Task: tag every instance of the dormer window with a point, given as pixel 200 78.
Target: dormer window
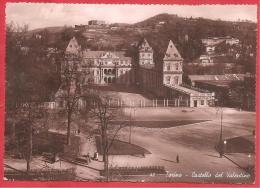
pixel 175 55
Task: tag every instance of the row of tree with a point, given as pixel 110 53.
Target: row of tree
pixel 31 78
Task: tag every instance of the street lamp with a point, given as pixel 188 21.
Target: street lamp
pixel 224 148
pixel 220 144
pixel 249 167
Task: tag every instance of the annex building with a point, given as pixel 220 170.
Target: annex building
pixel 165 82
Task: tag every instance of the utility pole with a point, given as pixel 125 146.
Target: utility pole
pixel 221 133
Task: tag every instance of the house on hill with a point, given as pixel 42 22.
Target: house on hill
pixel 215 44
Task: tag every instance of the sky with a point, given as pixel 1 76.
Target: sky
pixel 38 15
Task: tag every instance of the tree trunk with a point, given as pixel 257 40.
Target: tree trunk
pixel 106 166
pixel 13 139
pixel 29 154
pixel 68 128
pixel 103 142
pixel 27 166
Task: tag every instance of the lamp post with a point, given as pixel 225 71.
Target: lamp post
pixel 249 159
pixel 221 134
pixel 224 147
pixel 220 144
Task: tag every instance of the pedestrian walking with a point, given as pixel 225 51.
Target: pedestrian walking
pixel 177 159
pixel 88 158
pixel 96 156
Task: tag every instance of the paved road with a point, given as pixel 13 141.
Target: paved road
pixel 193 143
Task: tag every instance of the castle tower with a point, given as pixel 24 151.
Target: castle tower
pixel 72 58
pixel 172 66
pixel 145 55
pixel 73 47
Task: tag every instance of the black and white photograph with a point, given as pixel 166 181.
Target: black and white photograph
pixel 130 93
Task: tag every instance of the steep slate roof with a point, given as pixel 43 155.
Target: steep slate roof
pixel 172 53
pixel 73 47
pixel 144 46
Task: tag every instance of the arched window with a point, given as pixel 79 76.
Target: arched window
pixel 176 80
pixel 113 80
pixel 177 67
pixel 168 79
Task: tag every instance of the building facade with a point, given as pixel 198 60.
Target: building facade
pixel 102 67
pixel 172 66
pixel 165 82
pixel 161 79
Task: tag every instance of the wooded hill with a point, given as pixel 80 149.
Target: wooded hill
pixel 33 72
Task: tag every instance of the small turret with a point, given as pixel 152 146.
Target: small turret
pixel 73 47
pixel 146 55
pixel 172 53
pixel 172 66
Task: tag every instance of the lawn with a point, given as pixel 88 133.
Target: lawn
pixel 158 124
pixel 119 147
pixel 241 144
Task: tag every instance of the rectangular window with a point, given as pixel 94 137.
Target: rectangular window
pixel 168 67
pixel 202 102
pixel 176 80
pixel 168 79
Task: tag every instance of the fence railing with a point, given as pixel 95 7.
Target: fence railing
pixel 143 170
pixel 40 174
pixel 147 103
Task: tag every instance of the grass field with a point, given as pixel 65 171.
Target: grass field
pixel 158 124
pixel 121 148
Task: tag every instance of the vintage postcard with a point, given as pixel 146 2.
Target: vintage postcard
pixel 129 93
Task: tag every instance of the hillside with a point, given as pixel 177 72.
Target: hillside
pixel 158 30
pixel 56 29
pixel 167 18
pixel 34 71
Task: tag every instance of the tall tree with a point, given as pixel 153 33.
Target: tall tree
pixel 27 118
pixel 102 111
pixel 70 91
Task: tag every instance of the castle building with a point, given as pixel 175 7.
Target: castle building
pixel 162 79
pixel 165 81
pixel 101 67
